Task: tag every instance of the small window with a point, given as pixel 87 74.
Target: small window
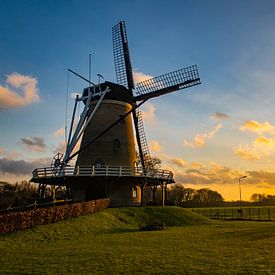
pixel 116 145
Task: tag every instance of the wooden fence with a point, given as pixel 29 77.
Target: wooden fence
pixel 14 221
pixel 252 214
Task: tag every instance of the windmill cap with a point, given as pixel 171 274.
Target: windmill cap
pixel 117 92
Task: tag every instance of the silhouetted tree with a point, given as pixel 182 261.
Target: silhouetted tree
pixel 19 194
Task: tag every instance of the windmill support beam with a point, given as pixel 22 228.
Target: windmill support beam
pixel 142 186
pixel 163 193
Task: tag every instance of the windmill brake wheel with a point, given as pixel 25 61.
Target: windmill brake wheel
pixel 57 163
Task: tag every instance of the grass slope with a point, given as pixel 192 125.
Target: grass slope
pixel 111 242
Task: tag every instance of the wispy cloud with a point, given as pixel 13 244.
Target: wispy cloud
pixel 34 143
pixel 258 127
pixel 148 112
pixel 19 90
pixel 20 167
pixel 200 139
pixel 220 116
pixel 248 152
pixel 154 146
pixel 140 76
pixel 2 151
pixel 181 163
pixel 59 132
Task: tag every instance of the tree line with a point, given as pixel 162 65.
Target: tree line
pixel 178 195
pixel 24 193
pixel 19 194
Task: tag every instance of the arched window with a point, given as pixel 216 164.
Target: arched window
pixel 134 192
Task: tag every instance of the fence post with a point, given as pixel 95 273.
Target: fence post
pixel 232 214
pixel 259 214
pixel 268 211
pixel 249 212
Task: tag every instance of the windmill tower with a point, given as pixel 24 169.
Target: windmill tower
pixel 110 124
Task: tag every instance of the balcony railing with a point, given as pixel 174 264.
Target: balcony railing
pixel 106 170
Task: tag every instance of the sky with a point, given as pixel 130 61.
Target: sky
pixel 208 135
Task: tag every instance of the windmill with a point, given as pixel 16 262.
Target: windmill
pixel 109 125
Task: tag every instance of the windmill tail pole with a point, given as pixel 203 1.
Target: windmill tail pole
pixel 107 129
pixel 90 82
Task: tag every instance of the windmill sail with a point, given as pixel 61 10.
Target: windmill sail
pixel 167 83
pixel 144 145
pixel 122 60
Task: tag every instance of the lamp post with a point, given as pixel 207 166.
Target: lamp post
pixel 241 190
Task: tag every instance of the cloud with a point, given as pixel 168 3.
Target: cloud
pixel 258 127
pixel 219 116
pixel 34 144
pixel 148 112
pixel 247 153
pixel 20 90
pixel 260 148
pixel 74 95
pixel 20 167
pixel 200 139
pixel 154 146
pixel 264 141
pixel 261 178
pixel 59 132
pixel 2 151
pixel 140 76
pixel 211 173
pixel 178 162
pixel 60 148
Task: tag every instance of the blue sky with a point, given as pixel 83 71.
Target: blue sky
pixel 232 42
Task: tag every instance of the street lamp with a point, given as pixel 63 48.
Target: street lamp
pixel 243 177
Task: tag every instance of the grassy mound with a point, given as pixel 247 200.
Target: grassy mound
pixel 111 242
pixel 133 218
pixel 114 220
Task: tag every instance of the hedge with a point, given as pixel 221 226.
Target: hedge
pixel 10 222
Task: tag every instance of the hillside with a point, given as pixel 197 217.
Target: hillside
pixel 111 242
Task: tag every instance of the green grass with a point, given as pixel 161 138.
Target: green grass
pixel 111 242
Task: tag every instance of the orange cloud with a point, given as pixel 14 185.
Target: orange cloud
pixel 154 146
pixel 2 151
pixel 178 162
pixel 258 127
pixel 200 139
pixel 12 97
pixel 265 141
pixel 244 152
pixel 59 132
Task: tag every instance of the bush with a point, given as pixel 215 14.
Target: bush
pixel 155 225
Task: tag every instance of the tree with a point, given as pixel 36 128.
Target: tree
pixel 19 194
pixel 155 162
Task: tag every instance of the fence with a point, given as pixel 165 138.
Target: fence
pixel 252 213
pixel 93 171
pixel 10 222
